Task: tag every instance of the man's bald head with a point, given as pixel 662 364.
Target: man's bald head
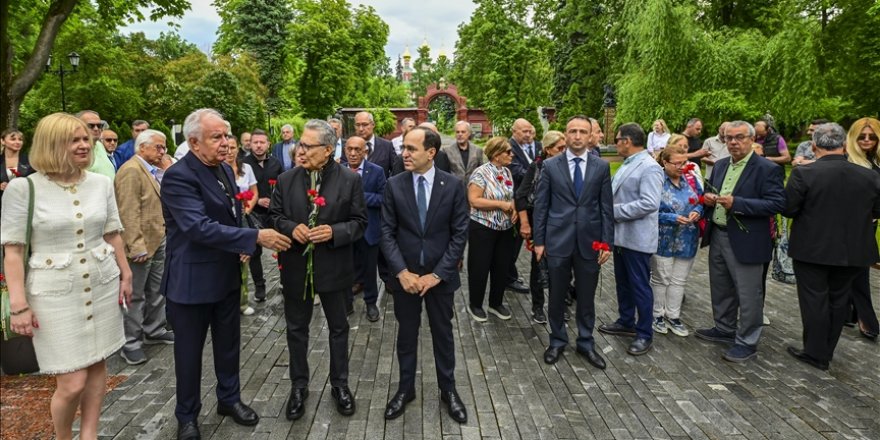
pixel 523 131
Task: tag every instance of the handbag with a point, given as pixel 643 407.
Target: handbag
pixel 5 307
pixel 783 269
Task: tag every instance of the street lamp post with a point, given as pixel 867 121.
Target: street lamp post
pixel 73 58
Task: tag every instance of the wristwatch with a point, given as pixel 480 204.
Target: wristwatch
pixel 436 277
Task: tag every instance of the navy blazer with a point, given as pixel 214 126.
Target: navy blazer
pixel 520 163
pixel 344 212
pixel 758 195
pixel 204 239
pixel 279 153
pixel 373 181
pixel 444 237
pixel 564 224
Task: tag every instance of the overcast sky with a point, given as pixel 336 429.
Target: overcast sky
pixel 409 21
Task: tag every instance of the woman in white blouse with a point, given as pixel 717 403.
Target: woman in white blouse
pixel 78 276
pixel 658 137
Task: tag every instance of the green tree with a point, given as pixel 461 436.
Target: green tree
pixel 260 28
pixel 423 71
pixel 25 45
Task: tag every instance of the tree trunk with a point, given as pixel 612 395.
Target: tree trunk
pixel 13 88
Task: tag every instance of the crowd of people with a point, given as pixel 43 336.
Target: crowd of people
pixel 128 246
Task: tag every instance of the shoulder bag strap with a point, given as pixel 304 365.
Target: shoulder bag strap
pixel 30 222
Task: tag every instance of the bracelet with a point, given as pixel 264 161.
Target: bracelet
pixel 20 311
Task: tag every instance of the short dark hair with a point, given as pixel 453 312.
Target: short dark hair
pixel 633 132
pixel 819 121
pixel 693 121
pixel 583 117
pixel 259 132
pixel 432 140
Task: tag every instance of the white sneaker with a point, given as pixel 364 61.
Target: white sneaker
pixel 248 311
pixel 659 326
pixel 766 320
pixel 678 327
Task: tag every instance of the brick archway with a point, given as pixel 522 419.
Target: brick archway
pixel 433 92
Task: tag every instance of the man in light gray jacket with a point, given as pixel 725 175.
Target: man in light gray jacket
pixel 636 188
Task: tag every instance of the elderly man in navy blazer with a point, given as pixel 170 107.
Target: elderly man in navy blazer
pixel 366 250
pixel 573 209
pixel 424 231
pixel 202 277
pixel 380 151
pixel 743 193
pixel 636 188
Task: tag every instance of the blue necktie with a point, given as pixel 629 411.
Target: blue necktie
pixel 422 200
pixel 578 177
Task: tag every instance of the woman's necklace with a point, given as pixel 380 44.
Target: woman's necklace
pixel 71 188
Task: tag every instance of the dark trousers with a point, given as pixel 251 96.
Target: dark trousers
pixel 191 322
pixel 408 311
pixel 863 308
pixel 488 255
pixel 513 273
pixel 256 266
pixel 365 262
pixel 298 314
pixel 586 278
pixel 823 296
pixel 535 286
pixel 634 295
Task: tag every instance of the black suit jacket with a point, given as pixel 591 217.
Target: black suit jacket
pixel 24 168
pixel 520 164
pixel 441 161
pixel 345 212
pixel 757 196
pixel 833 203
pixel 382 154
pixel 270 169
pixel 444 237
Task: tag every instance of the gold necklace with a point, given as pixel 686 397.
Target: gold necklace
pixel 71 188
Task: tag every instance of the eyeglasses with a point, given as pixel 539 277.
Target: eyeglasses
pixel 309 147
pixel 677 164
pixel 867 137
pixel 738 138
pixel 620 139
pixel 108 140
pixel 508 151
pixel 96 126
pixel 159 147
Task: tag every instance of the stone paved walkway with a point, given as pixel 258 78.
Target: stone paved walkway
pixel 681 389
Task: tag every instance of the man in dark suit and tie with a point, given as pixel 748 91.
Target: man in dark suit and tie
pixel 743 193
pixel 525 150
pixel 379 151
pixel 573 209
pixel 338 199
pixel 283 151
pixel 832 203
pixel 202 277
pixel 424 231
pixel 366 250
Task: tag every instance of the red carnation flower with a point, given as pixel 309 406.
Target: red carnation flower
pixel 320 201
pixel 312 193
pixel 692 200
pixel 601 246
pixel 508 183
pixel 500 178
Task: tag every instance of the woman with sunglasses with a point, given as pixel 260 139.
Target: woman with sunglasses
pixel 490 233
pixel 554 143
pixel 862 149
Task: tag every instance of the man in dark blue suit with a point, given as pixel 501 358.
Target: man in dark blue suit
pixel 379 151
pixel 424 231
pixel 283 151
pixel 525 150
pixel 743 193
pixel 202 277
pixel 573 209
pixel 366 250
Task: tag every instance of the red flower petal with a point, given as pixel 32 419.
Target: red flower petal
pixel 312 193
pixel 320 201
pixel 500 178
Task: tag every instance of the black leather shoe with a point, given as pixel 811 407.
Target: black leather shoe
pixel 617 330
pixel 454 405
pixel 593 358
pixel 551 355
pixel 188 431
pixel 240 413
pixel 372 313
pixel 807 359
pixel 260 293
pixel 397 404
pixel 344 400
pixel 296 403
pixel 639 347
pixel 518 287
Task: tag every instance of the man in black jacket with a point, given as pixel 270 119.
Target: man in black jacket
pixel 379 151
pixel 266 168
pixel 323 189
pixel 832 203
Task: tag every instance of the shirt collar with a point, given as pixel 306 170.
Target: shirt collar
pixel 743 161
pixel 569 155
pixel 634 156
pixel 146 165
pixel 429 175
